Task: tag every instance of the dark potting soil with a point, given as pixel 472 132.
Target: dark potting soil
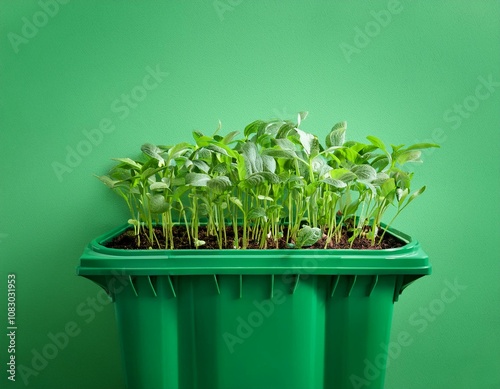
pixel 128 241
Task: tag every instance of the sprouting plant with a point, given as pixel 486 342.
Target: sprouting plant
pixel 275 182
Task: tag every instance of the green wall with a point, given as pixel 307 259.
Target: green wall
pixel 404 70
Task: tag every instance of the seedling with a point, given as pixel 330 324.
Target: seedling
pixel 274 182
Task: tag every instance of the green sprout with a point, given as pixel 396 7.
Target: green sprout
pixel 275 182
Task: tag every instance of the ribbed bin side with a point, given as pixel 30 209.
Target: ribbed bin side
pixel 358 324
pixel 253 331
pixel 148 324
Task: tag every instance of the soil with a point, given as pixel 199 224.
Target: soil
pixel 128 241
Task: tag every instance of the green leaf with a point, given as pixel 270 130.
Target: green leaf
pixel 204 153
pixel 199 242
pixel 253 161
pixel 154 152
pixel 157 203
pixel 285 130
pixel 254 127
pixel 237 202
pixel 409 156
pixel 381 178
pixel 266 198
pixel 338 125
pixel 229 137
pixel 270 177
pixel 268 163
pixel 307 236
pixel 352 208
pixel 219 184
pixel 179 149
pixel 336 137
pixel 277 153
pixel 342 174
pixel 416 194
pixel 284 144
pixel 334 182
pixel 376 142
pixel 158 186
pixel 301 116
pixel 380 162
pixel 201 165
pixel 421 146
pixel 133 222
pixel 110 183
pixel 306 140
pixel 221 168
pixel 365 172
pixel 275 211
pixel 256 179
pixel 129 163
pixel 350 154
pixel 388 188
pixel 256 213
pixel 197 179
pixel 401 195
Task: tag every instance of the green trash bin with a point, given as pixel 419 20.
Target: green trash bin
pixel 254 319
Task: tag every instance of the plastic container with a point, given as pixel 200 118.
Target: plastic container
pixel 254 319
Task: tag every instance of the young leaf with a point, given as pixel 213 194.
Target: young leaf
pixel 422 146
pixel 377 142
pixel 380 162
pixel 197 179
pixel 342 174
pixel 237 202
pixel 307 236
pixel 256 213
pixel 268 163
pixel 201 165
pixel 285 130
pixel 365 172
pixel 158 186
pixel 133 222
pixel 381 178
pixel 301 116
pixel 334 182
pixel 306 140
pixel 199 242
pixel 254 127
pixel 416 194
pixel 154 152
pixel 253 161
pixel 129 163
pixel 276 153
pixel 336 137
pixel 409 156
pixel 217 149
pixel 229 137
pixel 219 184
pixel 157 203
pixel 108 181
pixel 401 195
pixel 387 188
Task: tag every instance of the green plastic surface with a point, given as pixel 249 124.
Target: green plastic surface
pixel 254 319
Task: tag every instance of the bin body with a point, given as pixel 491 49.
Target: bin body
pixel 252 319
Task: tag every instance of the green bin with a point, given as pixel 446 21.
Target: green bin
pixel 254 319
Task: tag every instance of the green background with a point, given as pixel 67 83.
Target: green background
pixel 410 75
